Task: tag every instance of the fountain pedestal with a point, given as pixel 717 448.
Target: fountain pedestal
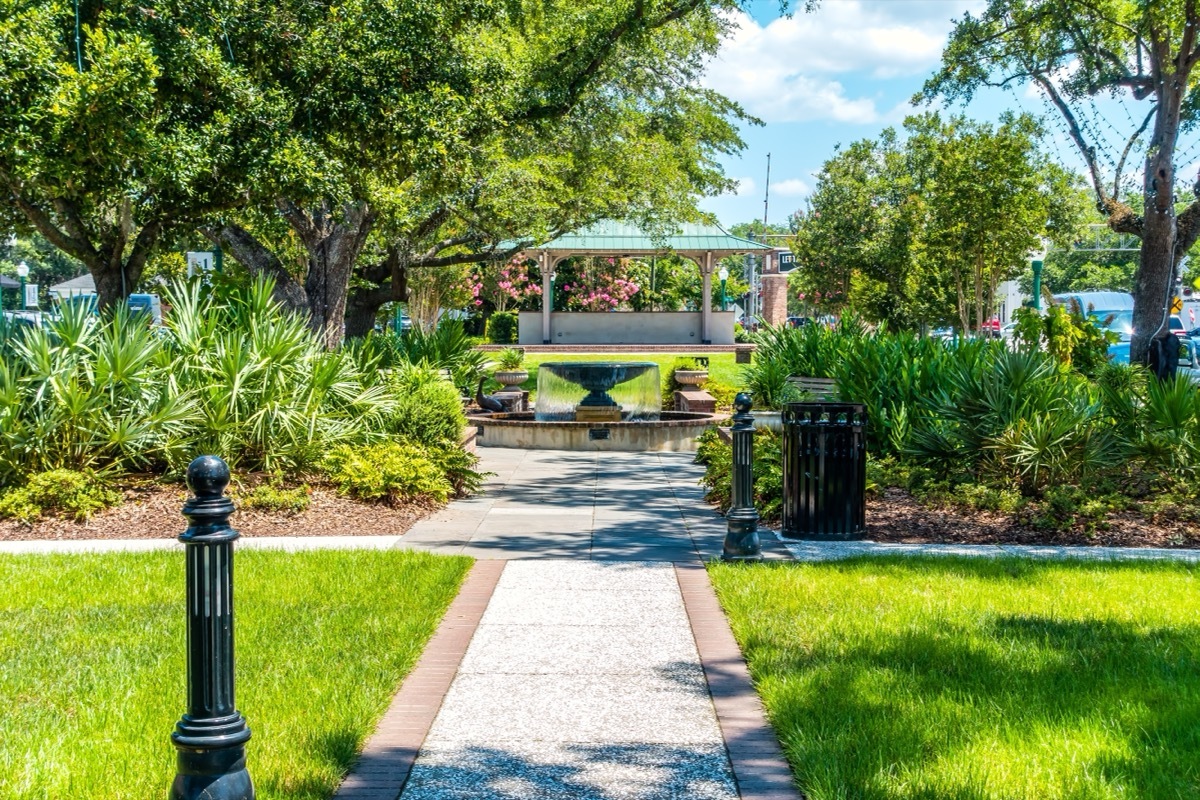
pixel 597 413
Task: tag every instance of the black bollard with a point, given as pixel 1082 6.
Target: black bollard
pixel 211 737
pixel 741 537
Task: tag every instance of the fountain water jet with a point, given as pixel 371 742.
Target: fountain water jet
pixel 598 391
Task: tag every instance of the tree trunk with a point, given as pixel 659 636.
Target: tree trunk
pixel 333 246
pixel 244 248
pixel 1152 284
pixel 363 304
pixel 112 287
pixel 360 318
pixel 1156 267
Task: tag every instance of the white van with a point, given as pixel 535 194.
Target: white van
pixel 1098 304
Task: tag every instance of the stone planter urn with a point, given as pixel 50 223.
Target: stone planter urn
pixel 769 420
pixel 511 377
pixel 691 377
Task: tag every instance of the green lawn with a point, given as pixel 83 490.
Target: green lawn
pixel 92 671
pixel 721 366
pixel 974 679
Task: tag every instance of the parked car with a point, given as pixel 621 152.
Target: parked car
pixel 1121 323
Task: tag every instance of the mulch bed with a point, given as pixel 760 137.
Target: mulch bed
pixel 897 517
pixel 153 512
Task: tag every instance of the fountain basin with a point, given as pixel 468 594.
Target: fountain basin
pixel 673 431
pixel 598 391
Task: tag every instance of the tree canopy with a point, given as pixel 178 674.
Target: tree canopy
pixel 333 146
pixel 1077 50
pixel 920 229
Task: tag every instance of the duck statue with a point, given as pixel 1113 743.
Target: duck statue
pixel 486 401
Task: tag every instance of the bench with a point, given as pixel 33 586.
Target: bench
pixel 821 388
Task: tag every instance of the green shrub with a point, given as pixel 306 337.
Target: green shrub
pixel 723 393
pixel 510 358
pixel 502 327
pixel 428 409
pixel 274 496
pixel 1066 507
pixel 61 492
pixel 978 497
pixel 459 468
pixel 767 381
pixel 767 470
pixel 394 472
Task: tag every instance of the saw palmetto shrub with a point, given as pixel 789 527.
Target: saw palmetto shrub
pixel 1061 440
pixel 230 373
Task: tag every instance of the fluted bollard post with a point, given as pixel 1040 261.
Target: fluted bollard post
pixel 211 737
pixel 741 537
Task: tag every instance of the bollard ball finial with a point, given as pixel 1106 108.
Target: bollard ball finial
pixel 207 477
pixel 742 402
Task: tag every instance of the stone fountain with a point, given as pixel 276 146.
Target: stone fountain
pixel 595 405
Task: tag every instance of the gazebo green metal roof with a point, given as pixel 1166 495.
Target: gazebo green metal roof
pixel 609 237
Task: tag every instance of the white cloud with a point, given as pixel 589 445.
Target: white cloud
pixel 792 187
pixel 784 72
pixel 745 188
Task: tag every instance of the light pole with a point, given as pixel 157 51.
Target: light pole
pixel 23 273
pixel 724 276
pixel 1037 261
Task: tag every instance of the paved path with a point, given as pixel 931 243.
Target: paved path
pixel 601 667
pixel 603 506
pixel 581 681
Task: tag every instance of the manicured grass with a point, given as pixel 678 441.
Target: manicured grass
pixel 92 671
pixel 722 367
pixel 940 678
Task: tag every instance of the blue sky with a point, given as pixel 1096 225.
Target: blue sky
pixel 842 73
pixel 847 71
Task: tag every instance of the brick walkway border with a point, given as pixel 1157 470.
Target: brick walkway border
pixel 754 752
pixel 387 758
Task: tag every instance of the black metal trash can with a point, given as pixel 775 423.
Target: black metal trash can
pixel 824 471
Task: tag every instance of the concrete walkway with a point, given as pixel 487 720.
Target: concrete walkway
pixel 581 681
pixel 601 666
pixel 601 506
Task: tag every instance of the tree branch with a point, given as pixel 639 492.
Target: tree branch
pixel 254 256
pixel 1128 146
pixel 81 249
pixel 574 88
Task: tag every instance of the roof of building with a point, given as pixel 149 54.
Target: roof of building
pixel 82 284
pixel 610 237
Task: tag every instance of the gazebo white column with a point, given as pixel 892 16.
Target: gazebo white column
pixel 546 264
pixel 706 273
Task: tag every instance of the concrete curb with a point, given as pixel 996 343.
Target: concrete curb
pixel 288 543
pixel 803 550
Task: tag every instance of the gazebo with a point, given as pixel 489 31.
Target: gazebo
pixel 703 244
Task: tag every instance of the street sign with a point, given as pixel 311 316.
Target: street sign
pixel 1176 305
pixel 31 299
pixel 199 263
